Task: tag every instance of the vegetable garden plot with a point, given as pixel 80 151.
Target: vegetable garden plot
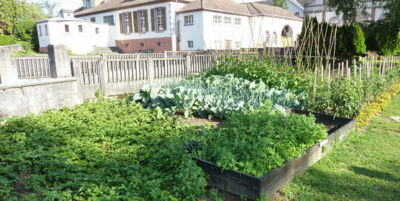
pixel 254 187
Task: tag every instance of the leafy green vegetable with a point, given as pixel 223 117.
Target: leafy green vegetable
pixel 259 141
pixel 100 150
pixel 215 95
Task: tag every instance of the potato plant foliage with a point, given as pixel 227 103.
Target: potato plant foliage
pixel 258 141
pixel 100 150
pixel 215 95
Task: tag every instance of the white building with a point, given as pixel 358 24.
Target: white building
pixel 320 10
pixel 79 35
pixel 171 25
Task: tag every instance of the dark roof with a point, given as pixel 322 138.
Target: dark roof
pixel 266 10
pixel 227 6
pixel 111 5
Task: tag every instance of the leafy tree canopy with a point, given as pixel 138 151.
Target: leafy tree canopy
pixel 349 9
pixel 281 3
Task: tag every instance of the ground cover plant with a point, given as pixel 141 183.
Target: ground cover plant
pixel 100 150
pixel 258 141
pixel 215 95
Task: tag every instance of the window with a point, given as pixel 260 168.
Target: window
pixel 217 19
pixel 66 28
pixel 142 22
pixel 267 38
pixel 238 21
pixel 40 31
pixel 227 20
pixel 190 44
pixel 159 44
pixel 125 25
pixel 238 45
pixel 97 30
pixel 141 44
pixel 109 20
pixel 159 19
pixel 93 19
pixel 80 28
pixel 46 31
pixel 297 14
pixel 189 20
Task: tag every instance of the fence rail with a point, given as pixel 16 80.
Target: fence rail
pixel 32 67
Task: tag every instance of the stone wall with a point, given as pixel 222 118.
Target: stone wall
pixel 37 96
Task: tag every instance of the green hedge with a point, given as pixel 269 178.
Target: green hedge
pixel 11 40
pixel 382 37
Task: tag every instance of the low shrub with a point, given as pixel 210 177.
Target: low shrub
pixel 377 105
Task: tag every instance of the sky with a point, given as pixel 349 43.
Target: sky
pixel 67 4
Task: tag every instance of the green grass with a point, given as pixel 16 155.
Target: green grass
pixel 364 167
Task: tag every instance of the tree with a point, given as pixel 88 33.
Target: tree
pixel 349 9
pixel 281 3
pixel 19 20
pixel 49 7
pixel 9 13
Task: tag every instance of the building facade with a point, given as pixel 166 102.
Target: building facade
pixel 320 10
pixel 155 26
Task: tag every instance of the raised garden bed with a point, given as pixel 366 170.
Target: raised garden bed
pixel 241 184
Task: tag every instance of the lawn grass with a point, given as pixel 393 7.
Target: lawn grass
pixel 364 167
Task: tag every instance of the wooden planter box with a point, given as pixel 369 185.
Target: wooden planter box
pixel 241 184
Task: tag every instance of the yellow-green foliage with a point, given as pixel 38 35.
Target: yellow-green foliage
pixel 369 111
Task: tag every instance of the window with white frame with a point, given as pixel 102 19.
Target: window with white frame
pixel 80 28
pixel 97 30
pixel 189 20
pixel 46 30
pixel 238 44
pixel 159 19
pixel 238 21
pixel 40 31
pixel 217 19
pixel 190 44
pixel 142 22
pixel 93 19
pixel 108 20
pixel 66 27
pixel 126 25
pixel 227 20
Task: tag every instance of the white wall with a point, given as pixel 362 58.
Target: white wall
pixel 150 34
pixel 78 42
pixel 250 34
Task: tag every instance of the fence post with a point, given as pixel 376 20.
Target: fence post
pixel 103 73
pixel 8 72
pixel 150 65
pixel 261 55
pixel 59 66
pixel 188 64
